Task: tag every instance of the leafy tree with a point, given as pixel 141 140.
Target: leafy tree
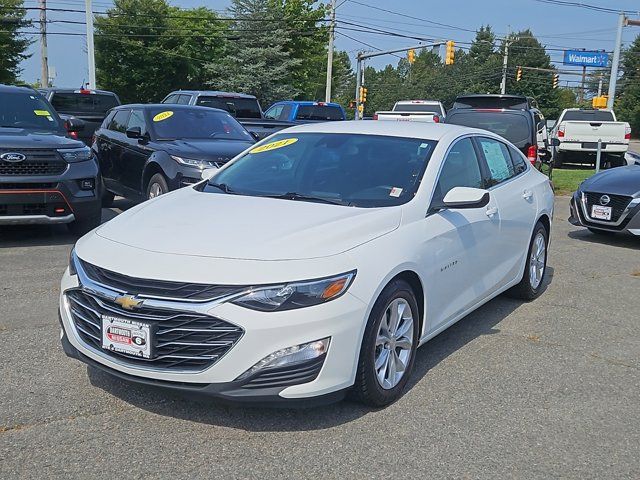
pixel 13 45
pixel 257 61
pixel 146 48
pixel 628 102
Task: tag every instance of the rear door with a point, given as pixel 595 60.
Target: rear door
pixel 514 195
pixel 135 154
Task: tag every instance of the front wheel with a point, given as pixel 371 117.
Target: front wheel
pixel 157 186
pixel 388 347
pixel 530 287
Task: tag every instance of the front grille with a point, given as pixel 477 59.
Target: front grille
pixel 158 288
pixel 184 341
pixel 618 203
pixel 27 186
pixel 39 161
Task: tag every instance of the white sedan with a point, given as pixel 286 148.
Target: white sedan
pixel 312 265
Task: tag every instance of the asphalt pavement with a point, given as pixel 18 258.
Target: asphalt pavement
pixel 547 389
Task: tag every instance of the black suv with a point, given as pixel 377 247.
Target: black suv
pixel 45 176
pixel 147 150
pixel 90 106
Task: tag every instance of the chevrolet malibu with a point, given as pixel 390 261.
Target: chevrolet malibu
pixel 310 266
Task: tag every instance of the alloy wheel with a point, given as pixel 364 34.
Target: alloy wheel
pixel 394 343
pixel 537 260
pixel 155 190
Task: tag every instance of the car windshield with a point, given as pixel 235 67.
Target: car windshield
pixel 83 102
pixel 319 112
pixel 418 107
pixel 588 116
pixel 347 169
pixel 238 107
pixel 29 111
pixel 196 123
pixel 511 126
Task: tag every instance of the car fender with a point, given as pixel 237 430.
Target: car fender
pixel 160 161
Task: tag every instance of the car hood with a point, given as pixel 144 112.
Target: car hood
pixel 188 222
pixel 21 138
pixel 212 150
pixel 617 181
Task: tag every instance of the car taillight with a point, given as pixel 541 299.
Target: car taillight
pixel 375 116
pixel 627 133
pixel 532 154
pixel 436 119
pixel 73 135
pixel 560 131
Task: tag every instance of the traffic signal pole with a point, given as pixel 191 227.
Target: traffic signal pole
pixel 615 63
pixel 361 57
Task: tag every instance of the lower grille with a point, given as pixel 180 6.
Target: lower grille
pixel 27 186
pixel 184 341
pixel 288 375
pixel 618 203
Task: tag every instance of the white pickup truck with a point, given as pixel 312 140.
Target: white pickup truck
pixel 576 134
pixel 414 111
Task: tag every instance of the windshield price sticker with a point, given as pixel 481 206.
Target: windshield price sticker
pixel 395 192
pixel 162 116
pixel 42 113
pixel 274 145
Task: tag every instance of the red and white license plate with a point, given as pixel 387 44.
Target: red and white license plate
pixel 600 212
pixel 126 336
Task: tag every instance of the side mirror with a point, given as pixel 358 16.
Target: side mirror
pixel 542 125
pixel 555 142
pixel 73 124
pixel 208 173
pixel 134 132
pixel 466 197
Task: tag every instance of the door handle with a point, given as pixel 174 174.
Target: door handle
pixel 527 194
pixel 491 211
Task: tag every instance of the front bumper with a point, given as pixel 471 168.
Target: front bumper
pixel 50 199
pixel 628 222
pixel 264 333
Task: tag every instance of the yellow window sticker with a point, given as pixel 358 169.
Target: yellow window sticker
pixel 162 116
pixel 274 145
pixel 42 113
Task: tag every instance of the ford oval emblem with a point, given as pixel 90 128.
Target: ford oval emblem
pixel 13 157
pixel 604 200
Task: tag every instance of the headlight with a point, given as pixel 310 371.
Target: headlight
pixel 72 262
pixel 192 162
pixel 296 295
pixel 72 155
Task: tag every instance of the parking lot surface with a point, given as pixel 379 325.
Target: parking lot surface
pixel 515 390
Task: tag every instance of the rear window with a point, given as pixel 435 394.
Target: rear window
pixel 513 103
pixel 509 125
pixel 417 107
pixel 237 107
pixel 588 115
pixel 83 103
pixel 319 112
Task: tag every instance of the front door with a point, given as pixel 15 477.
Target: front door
pixel 135 154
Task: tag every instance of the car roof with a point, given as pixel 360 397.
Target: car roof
pixel 16 88
pixel 305 102
pixel 213 93
pixel 76 90
pixel 492 95
pixel 426 102
pixel 427 131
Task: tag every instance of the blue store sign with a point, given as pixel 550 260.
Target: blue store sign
pixel 585 59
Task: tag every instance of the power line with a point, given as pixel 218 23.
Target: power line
pixel 596 8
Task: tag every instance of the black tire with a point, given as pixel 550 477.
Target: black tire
pixel 84 225
pixel 367 388
pixel 525 290
pixel 107 198
pixel 604 233
pixel 161 182
pixel 558 160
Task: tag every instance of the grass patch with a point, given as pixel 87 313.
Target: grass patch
pixel 565 182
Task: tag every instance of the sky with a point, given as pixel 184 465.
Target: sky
pixel 558 27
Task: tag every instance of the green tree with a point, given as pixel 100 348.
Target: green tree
pixel 628 101
pixel 257 61
pixel 146 48
pixel 13 45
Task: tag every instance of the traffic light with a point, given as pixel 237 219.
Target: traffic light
pixel 363 94
pixel 361 109
pixel 599 102
pixel 411 56
pixel 519 74
pixel 450 53
pixel 556 80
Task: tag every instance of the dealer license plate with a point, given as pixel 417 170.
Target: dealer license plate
pixel 600 212
pixel 126 336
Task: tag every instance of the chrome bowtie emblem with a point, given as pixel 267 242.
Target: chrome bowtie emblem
pixel 13 157
pixel 604 200
pixel 128 302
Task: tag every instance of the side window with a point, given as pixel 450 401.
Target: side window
pixel 286 112
pixel 107 121
pixel 137 120
pixel 119 121
pixel 519 161
pixel 274 112
pixel 498 159
pixel 183 99
pixel 460 169
pixel 173 98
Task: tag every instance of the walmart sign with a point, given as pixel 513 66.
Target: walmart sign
pixel 585 59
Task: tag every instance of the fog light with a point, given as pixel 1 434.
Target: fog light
pixel 287 356
pixel 87 184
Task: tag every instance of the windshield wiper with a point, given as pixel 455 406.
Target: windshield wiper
pixel 222 186
pixel 308 198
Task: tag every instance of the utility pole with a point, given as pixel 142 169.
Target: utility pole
pixel 505 62
pixel 600 86
pixel 332 34
pixel 91 59
pixel 615 62
pixel 44 70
